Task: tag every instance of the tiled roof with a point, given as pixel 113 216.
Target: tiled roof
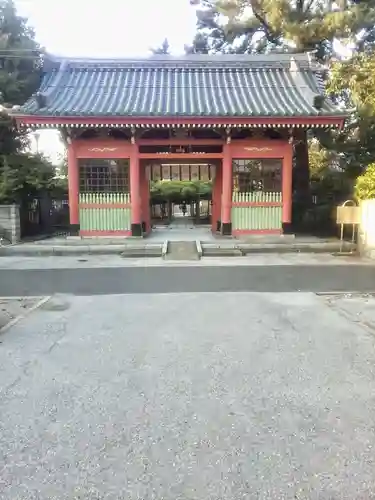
pixel 277 85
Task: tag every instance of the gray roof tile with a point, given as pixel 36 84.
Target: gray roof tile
pixel 279 85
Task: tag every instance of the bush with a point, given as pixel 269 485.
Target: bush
pixel 180 191
pixel 365 184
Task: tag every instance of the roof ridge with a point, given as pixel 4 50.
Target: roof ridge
pixel 304 60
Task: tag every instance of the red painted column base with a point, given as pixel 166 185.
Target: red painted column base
pixel 216 199
pixel 226 198
pixel 73 190
pixel 135 193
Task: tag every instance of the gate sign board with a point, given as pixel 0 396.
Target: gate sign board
pixel 348 215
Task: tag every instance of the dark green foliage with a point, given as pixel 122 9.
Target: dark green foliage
pixel 20 62
pixel 20 173
pixel 353 83
pixel 245 26
pixel 180 191
pixel 365 184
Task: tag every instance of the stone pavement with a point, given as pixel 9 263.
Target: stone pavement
pixel 161 238
pixel 258 259
pixel 12 308
pixel 184 396
pixel 181 233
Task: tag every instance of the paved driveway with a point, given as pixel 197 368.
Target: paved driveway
pixel 190 396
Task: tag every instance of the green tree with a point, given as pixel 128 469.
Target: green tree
pixel 248 26
pixel 24 174
pixel 365 184
pixel 352 82
pixel 330 183
pixel 303 25
pixel 20 62
pixel 20 65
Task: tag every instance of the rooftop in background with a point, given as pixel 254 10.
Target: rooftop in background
pixel 220 86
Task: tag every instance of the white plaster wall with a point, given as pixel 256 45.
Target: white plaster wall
pixel 366 232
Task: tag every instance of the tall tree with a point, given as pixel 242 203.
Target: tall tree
pixel 352 82
pixel 24 174
pixel 289 25
pixel 248 26
pixel 20 65
pixel 19 56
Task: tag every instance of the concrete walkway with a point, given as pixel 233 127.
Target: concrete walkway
pixel 181 233
pixel 194 397
pixel 154 244
pixel 253 260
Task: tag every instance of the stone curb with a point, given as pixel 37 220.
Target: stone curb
pixel 199 248
pixel 164 249
pixel 63 250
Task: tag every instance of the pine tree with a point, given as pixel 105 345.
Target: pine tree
pixel 352 82
pixel 163 49
pixel 287 25
pixel 248 26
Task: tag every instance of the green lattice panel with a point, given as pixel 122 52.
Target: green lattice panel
pixel 257 218
pixel 101 216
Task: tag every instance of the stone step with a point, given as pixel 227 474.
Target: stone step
pixel 145 251
pixel 182 250
pixel 234 249
pixel 131 251
pixel 220 251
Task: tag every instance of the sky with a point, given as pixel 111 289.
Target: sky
pixel 106 28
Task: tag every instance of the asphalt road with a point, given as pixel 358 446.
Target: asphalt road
pixel 230 396
pixel 86 281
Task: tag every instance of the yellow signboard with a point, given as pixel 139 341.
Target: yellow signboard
pixel 348 215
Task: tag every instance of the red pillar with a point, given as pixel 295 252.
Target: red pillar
pixel 145 195
pixel 73 188
pixel 226 197
pixel 135 193
pixel 287 189
pixel 216 198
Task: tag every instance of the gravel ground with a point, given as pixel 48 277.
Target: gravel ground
pixel 190 396
pixel 11 308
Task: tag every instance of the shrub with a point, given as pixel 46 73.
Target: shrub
pixel 365 184
pixel 180 191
